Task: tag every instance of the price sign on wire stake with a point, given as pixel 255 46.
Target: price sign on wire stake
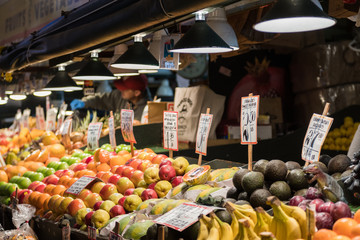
pixel 65 232
pixel 66 127
pixel 91 233
pixel 94 132
pixel 40 118
pixel 183 216
pixel 248 119
pixel 80 184
pixel 170 133
pixel 112 131
pixel 127 119
pixel 51 119
pixel 25 118
pixel 318 128
pixel 203 133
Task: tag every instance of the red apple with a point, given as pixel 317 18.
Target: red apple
pixel 121 201
pixel 40 187
pixel 129 161
pixel 58 173
pixel 75 206
pixel 45 179
pixel 114 178
pixel 176 181
pixel 148 194
pixel 158 158
pixel 97 205
pixel 34 184
pixel 116 210
pixel 129 191
pixel 144 165
pixel 107 190
pixel 67 172
pixel 84 193
pixel 165 162
pixel 88 218
pixel 136 177
pixel 152 186
pixel 135 163
pixel 120 169
pixel 52 179
pixel 99 174
pixel 113 153
pixel 105 177
pixel 79 167
pixel 167 173
pixel 25 192
pixel 88 160
pixel 128 171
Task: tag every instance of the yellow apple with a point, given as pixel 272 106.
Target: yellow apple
pixel 180 164
pixel 100 218
pixel 132 202
pixel 191 167
pixel 96 188
pixel 162 188
pixel 115 197
pixel 80 215
pixel 151 175
pixel 107 205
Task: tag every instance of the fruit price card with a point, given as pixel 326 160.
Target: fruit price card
pixel 170 133
pixel 318 128
pixel 112 132
pixel 94 132
pixel 115 236
pixel 66 127
pixel 40 118
pixel 203 133
pixel 127 119
pixel 183 216
pixel 91 233
pixel 51 119
pixel 25 118
pixel 248 119
pixel 80 184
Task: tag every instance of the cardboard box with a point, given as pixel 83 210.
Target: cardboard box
pixel 156 110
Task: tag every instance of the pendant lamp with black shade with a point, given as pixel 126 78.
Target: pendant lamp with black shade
pixel 62 82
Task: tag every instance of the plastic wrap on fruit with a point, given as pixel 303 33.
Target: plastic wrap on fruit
pixel 328 185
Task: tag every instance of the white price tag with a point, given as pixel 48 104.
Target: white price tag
pixel 91 233
pixel 248 119
pixel 40 118
pixel 25 118
pixel 170 132
pixel 127 119
pixel 316 133
pixel 61 115
pixel 89 91
pixel 79 185
pixel 66 127
pixel 203 133
pixel 115 236
pixel 183 216
pixel 51 119
pixel 65 232
pixel 94 132
pixel 112 132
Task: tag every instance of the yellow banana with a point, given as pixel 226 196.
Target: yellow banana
pixel 242 235
pixel 214 233
pixel 261 225
pixel 246 210
pixel 215 223
pixel 267 236
pixel 283 226
pixel 203 230
pixel 240 216
pixel 226 231
pixel 299 215
pixel 251 233
pixel 267 218
pixel 234 221
pixel 207 221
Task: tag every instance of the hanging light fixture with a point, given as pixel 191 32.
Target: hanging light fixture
pixel 145 71
pixel 3 100
pixel 137 57
pixel 94 70
pixel 287 16
pixel 120 72
pixel 18 92
pixel 62 82
pixel 218 22
pixel 201 39
pixel 41 93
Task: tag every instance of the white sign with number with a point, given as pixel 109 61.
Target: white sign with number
pixel 183 216
pixel 61 115
pixel 40 118
pixel 25 118
pixel 91 233
pixel 112 132
pixel 316 133
pixel 127 119
pixel 203 133
pixel 94 132
pixel 79 185
pixel 170 132
pixel 66 127
pixel 51 119
pixel 248 119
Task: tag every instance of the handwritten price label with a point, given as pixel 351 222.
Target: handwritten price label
pixel 203 133
pixel 127 119
pixel 112 132
pixel 66 127
pixel 25 118
pixel 91 233
pixel 94 132
pixel 51 119
pixel 248 119
pixel 183 216
pixel 65 232
pixel 115 236
pixel 80 184
pixel 61 115
pixel 170 133
pixel 316 133
pixel 40 118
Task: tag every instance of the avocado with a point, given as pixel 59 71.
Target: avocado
pixel 232 193
pixel 346 173
pixel 243 196
pixel 252 181
pixel 191 232
pixel 292 165
pixel 224 216
pixel 339 163
pixel 260 166
pixel 230 200
pixel 322 166
pixel 301 192
pixel 275 170
pixel 281 190
pixel 242 202
pixel 325 159
pixel 237 178
pixel 297 179
pixel 258 198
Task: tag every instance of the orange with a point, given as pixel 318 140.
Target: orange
pixel 127 157
pixel 40 201
pixel 33 156
pixel 52 200
pixel 355 231
pixel 71 182
pixel 49 138
pixel 57 150
pixel 58 189
pixel 52 159
pixel 99 174
pixel 43 156
pixel 103 167
pixel 105 177
pixel 33 197
pixel 344 226
pixel 45 206
pixel 150 156
pixel 148 150
pixel 33 166
pixel 64 180
pixel 48 189
pixel 3 176
pixel 104 156
pixel 357 216
pixel 84 172
pixel 92 166
pixel 122 152
pixel 340 237
pixel 324 234
pixel 356 238
pixel 117 160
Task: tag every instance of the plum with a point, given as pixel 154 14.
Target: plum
pixel 303 204
pixel 326 207
pixel 340 210
pixel 313 193
pixel 324 220
pixel 296 200
pixel 317 202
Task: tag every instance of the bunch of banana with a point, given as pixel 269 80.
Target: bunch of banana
pixel 267 236
pixel 212 228
pixel 262 225
pixel 246 232
pixel 283 226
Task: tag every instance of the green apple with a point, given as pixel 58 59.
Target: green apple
pixel 76 154
pixel 80 215
pixel 132 202
pixel 84 155
pixel 73 160
pixel 107 205
pixel 100 218
pixel 49 172
pixel 3 189
pixel 62 165
pixel 28 174
pixel 162 188
pixel 65 159
pixel 23 182
pixel 6 200
pixel 36 176
pixel 11 187
pixel 180 164
pixel 120 147
pixel 53 165
pixel 14 179
pixel 42 170
pixel 89 151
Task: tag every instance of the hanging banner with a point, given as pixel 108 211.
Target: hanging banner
pixel 203 133
pixel 127 119
pixel 170 131
pixel 248 119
